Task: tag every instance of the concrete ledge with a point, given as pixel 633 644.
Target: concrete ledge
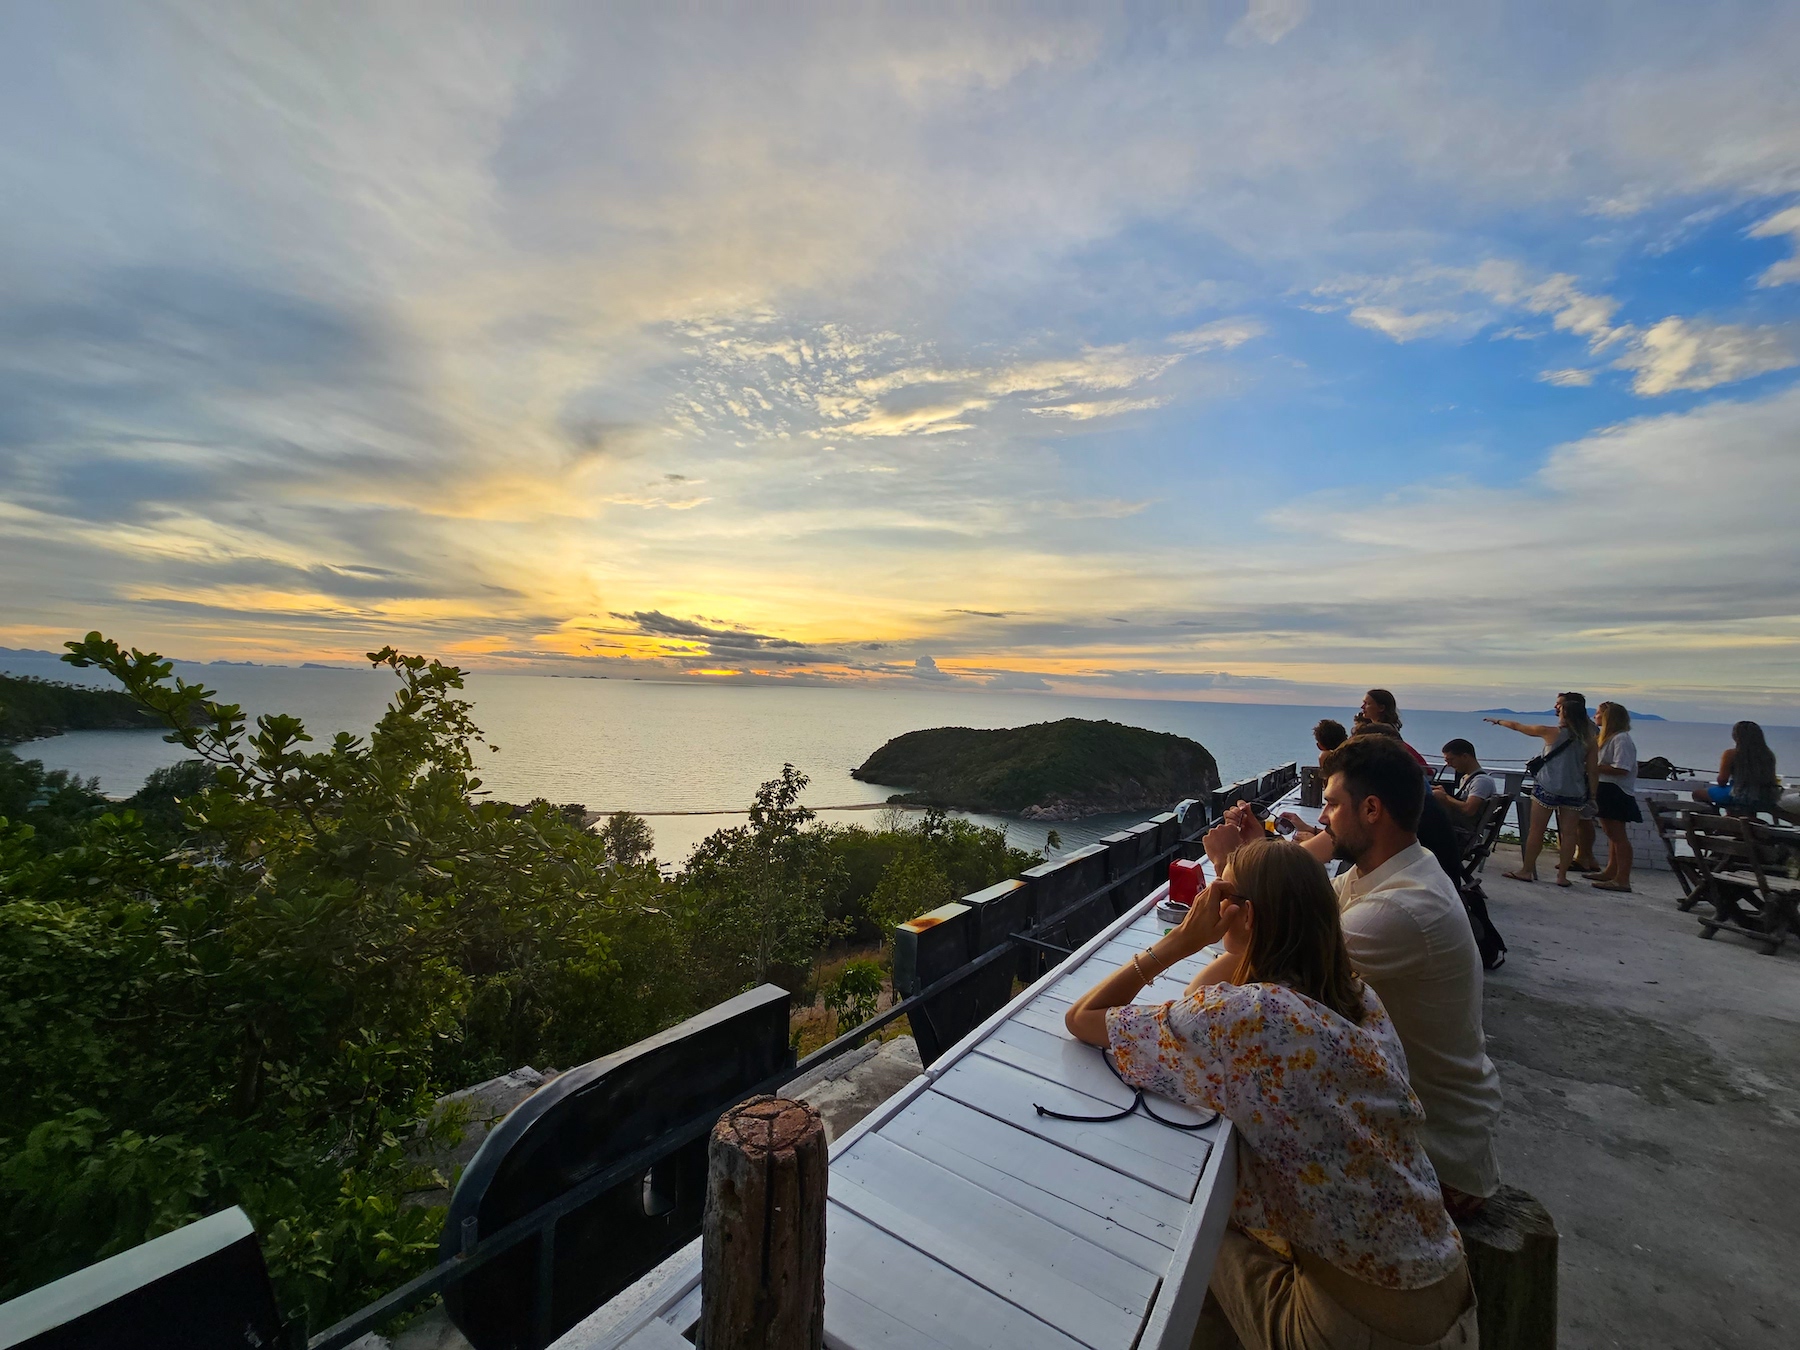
pixel 849 1087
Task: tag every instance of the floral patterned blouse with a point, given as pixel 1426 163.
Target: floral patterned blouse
pixel 1328 1152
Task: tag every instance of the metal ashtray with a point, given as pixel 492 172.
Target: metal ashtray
pixel 1171 911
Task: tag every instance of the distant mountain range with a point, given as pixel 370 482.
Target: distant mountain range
pixel 1513 712
pixel 6 652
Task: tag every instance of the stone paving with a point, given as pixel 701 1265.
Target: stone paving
pixel 1652 1086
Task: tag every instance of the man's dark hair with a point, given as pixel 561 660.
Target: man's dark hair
pixel 1379 767
pixel 1459 747
pixel 1329 734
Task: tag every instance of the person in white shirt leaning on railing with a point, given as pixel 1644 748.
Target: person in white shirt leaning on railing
pixel 1409 937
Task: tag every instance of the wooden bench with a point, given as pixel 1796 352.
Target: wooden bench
pixel 1672 820
pixel 1744 866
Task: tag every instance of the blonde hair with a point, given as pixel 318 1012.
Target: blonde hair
pixel 1613 719
pixel 1295 937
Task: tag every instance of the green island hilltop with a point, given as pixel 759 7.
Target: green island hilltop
pixel 1048 771
pixel 30 707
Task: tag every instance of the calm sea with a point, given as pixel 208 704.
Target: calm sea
pixel 653 748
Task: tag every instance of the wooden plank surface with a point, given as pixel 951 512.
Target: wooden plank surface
pixel 1088 1292
pixel 1075 983
pixel 1058 1057
pixel 1118 952
pixel 657 1335
pixel 881 1292
pixel 1063 1224
pixel 1115 1211
pixel 1170 1160
pixel 1176 1310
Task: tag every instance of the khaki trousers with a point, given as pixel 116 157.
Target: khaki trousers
pixel 1270 1304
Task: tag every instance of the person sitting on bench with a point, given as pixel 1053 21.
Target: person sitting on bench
pixel 1339 1234
pixel 1474 785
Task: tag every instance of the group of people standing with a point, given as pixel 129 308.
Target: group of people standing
pixel 1589 771
pixel 1586 771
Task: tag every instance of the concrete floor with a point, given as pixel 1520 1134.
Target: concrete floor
pixel 1653 1105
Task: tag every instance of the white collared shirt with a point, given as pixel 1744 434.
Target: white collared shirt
pixel 1409 937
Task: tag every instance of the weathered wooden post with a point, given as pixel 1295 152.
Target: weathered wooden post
pixel 762 1253
pixel 1512 1246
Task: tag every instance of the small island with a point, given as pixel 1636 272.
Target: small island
pixel 30 708
pixel 1048 771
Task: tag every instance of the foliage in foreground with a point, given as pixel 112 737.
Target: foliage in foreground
pixel 247 984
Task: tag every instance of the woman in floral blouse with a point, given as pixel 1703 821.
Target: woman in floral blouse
pixel 1339 1237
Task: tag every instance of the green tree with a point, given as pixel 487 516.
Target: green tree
pixel 757 894
pixel 627 839
pixel 159 800
pixel 265 1018
pixel 913 884
pixel 852 996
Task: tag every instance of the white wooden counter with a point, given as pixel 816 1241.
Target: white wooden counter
pixel 959 1217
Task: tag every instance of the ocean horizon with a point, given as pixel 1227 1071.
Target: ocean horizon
pixel 690 756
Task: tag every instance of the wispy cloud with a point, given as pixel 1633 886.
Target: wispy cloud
pixel 1781 223
pixel 1673 354
pixel 1404 327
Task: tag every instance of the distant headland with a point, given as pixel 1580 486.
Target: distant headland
pixel 31 707
pixel 1063 770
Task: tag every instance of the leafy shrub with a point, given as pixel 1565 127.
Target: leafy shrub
pixel 853 995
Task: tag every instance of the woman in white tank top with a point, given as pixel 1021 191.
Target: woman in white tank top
pixel 1616 796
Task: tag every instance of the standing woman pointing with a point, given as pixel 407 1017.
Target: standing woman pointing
pixel 1564 777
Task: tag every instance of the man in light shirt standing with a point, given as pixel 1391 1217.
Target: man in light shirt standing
pixel 1408 936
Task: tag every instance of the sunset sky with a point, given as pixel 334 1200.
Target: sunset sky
pixel 1258 354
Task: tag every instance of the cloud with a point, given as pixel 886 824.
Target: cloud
pixel 1782 222
pixel 1698 562
pixel 1268 21
pixel 1084 412
pixel 1679 354
pixel 1220 335
pixel 1402 327
pixel 761 374
pixel 1671 355
pixel 1102 368
pixel 925 668
pixel 930 420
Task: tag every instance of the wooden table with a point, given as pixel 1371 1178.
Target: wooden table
pixel 959 1217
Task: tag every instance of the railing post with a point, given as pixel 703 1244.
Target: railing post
pixel 762 1253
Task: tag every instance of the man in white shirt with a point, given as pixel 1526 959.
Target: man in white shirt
pixel 1474 785
pixel 1409 937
